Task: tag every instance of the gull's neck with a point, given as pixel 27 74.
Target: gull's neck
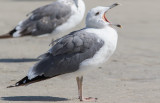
pixel 100 28
pixel 81 4
pixel 107 33
pixel 66 2
pixel 80 7
pixel 72 2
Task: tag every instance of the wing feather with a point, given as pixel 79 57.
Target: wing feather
pixel 67 54
pixel 45 19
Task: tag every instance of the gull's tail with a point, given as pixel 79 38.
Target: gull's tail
pixel 4 36
pixel 8 35
pixel 26 81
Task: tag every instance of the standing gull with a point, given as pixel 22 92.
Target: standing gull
pixel 53 18
pixel 78 50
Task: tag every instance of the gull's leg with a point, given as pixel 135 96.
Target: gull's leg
pixel 81 83
pixel 90 99
pixel 78 84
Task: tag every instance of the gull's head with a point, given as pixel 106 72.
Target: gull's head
pixel 96 17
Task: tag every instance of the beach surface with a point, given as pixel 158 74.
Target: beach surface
pixel 132 75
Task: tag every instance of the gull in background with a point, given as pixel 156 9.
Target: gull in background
pixel 78 51
pixel 53 18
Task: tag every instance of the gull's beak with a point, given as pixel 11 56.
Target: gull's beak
pixel 113 5
pixel 117 25
pixel 105 18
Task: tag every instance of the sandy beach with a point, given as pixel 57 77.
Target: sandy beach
pixel 132 75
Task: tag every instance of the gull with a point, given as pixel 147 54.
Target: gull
pixel 78 51
pixel 53 18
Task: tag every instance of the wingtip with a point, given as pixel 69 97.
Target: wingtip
pixel 11 86
pixel 5 36
pixel 16 84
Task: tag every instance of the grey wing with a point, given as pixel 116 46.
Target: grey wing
pixel 45 19
pixel 66 55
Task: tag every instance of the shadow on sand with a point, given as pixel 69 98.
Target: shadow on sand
pixel 8 60
pixel 32 0
pixel 33 98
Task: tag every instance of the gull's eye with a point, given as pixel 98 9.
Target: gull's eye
pixel 97 14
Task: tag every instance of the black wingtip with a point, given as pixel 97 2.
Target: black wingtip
pixel 8 35
pixel 26 81
pixel 15 85
pixel 11 86
pixel 5 36
pixel 20 83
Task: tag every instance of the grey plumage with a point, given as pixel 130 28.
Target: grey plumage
pixel 67 54
pixel 45 19
pixel 64 57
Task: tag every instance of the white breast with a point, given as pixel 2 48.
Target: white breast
pixel 109 36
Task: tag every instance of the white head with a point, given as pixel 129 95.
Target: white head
pixel 96 17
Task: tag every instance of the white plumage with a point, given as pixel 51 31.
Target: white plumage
pixel 76 17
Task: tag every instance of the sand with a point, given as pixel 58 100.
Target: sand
pixel 132 75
